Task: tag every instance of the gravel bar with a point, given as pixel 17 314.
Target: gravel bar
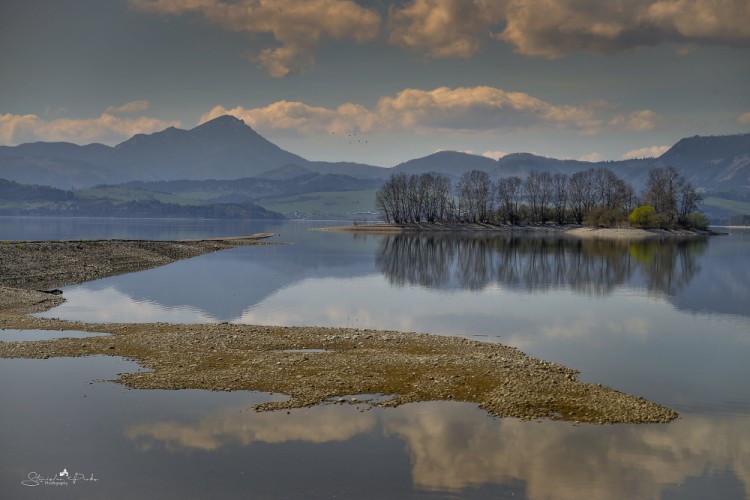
pixel 311 365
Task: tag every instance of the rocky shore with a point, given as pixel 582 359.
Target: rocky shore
pixel 46 264
pixel 311 365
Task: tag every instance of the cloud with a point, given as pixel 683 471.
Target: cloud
pixel 421 111
pixel 495 155
pixel 652 152
pixel 542 28
pixel 637 121
pixel 130 107
pixel 106 128
pixel 298 25
pixel 444 28
pixel 592 157
pixel 744 118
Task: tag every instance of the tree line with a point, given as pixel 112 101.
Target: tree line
pixel 596 196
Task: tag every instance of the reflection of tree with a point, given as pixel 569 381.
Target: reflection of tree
pixel 668 268
pixel 536 263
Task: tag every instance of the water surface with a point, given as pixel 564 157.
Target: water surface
pixel 669 321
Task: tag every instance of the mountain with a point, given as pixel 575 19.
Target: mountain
pixel 223 148
pixel 450 163
pixel 722 162
pixel 714 163
pixel 226 149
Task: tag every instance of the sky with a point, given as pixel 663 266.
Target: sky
pixel 381 82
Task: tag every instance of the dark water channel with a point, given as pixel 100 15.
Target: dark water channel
pixel 666 320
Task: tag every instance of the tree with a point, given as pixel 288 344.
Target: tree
pixel 581 193
pixel 509 198
pixel 673 197
pixel 475 196
pixel 559 196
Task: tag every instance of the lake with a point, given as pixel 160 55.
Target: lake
pixel 669 321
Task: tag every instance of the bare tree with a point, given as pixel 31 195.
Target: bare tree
pixel 582 194
pixel 560 196
pixel 509 198
pixel 475 196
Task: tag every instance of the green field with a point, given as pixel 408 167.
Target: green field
pixel 740 207
pixel 324 203
pixel 124 194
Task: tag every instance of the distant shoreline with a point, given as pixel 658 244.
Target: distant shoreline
pixel 573 230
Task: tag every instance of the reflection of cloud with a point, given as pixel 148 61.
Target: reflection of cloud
pixel 235 426
pixel 298 25
pixel 107 128
pixel 452 449
pixel 456 446
pixel 112 306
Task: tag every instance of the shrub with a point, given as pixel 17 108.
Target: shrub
pixel 697 221
pixel 604 217
pixel 643 216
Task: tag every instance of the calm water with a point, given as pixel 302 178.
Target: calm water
pixel 668 321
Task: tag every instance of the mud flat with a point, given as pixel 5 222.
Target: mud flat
pixel 311 365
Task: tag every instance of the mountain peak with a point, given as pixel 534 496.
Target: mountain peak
pixel 224 121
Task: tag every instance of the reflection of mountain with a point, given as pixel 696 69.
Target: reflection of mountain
pixel 534 263
pixel 723 285
pixel 226 284
pixel 453 448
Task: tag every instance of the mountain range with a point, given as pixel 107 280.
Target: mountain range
pixel 227 149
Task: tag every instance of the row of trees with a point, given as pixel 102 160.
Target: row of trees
pixel 595 196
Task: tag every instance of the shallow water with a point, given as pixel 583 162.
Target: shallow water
pixel 670 322
pixel 11 335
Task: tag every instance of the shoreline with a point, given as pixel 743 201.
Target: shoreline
pixel 312 365
pixel 572 230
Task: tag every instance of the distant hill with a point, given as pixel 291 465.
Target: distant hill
pixel 450 163
pixel 715 163
pixel 227 149
pixel 22 199
pixel 224 148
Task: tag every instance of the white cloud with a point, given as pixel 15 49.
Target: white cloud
pixel 298 25
pixel 651 152
pixel 106 128
pixel 744 118
pixel 592 157
pixel 495 155
pixel 637 121
pixel 130 107
pixel 420 111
